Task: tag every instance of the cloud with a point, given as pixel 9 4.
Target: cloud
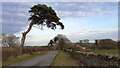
pixel 11 28
pixel 92 35
pixel 38 40
pixel 14 18
pixel 15 14
pixel 73 14
pixel 67 9
pixel 60 0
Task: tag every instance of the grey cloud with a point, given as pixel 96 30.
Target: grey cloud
pixel 60 0
pixel 16 12
pixel 11 28
pixel 66 9
pixel 113 34
pixel 14 17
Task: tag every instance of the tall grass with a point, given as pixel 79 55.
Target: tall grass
pixel 22 58
pixel 9 53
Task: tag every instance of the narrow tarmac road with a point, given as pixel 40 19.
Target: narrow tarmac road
pixel 42 60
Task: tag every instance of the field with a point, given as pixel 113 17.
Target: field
pixel 22 58
pixel 12 55
pixel 110 52
pixel 64 59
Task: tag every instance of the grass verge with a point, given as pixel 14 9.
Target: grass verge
pixel 22 58
pixel 64 59
pixel 114 52
pixel 0 63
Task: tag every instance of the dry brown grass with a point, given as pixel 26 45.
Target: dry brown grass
pixel 9 53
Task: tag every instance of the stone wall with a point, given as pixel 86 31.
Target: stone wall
pixel 91 59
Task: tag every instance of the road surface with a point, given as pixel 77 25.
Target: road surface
pixel 42 60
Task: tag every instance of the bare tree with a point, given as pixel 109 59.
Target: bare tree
pixel 10 40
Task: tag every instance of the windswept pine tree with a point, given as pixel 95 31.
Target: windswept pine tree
pixel 42 15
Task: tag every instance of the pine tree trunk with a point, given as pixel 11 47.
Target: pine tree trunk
pixel 24 36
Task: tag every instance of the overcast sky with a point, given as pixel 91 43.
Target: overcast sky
pixel 82 20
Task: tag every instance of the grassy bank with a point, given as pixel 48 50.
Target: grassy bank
pixel 64 59
pixel 22 58
pixel 0 63
pixel 110 52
